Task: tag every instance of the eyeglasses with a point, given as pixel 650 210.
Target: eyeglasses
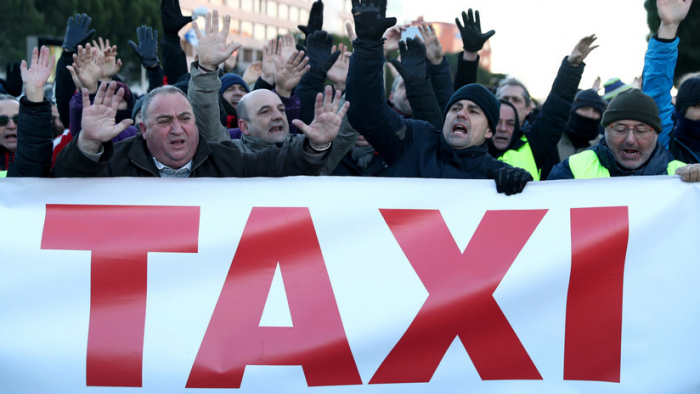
pixel 5 120
pixel 621 130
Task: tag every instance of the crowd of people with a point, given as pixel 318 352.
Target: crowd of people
pixel 313 108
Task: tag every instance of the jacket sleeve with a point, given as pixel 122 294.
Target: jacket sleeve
pixel 203 93
pixel 309 86
pixel 383 128
pixel 441 80
pixel 659 67
pixel 561 171
pixel 65 88
pixel 34 140
pixel 72 163
pixel 424 104
pixel 467 71
pixel 262 84
pixel 546 130
pixel 287 160
pixel 76 113
pixel 155 77
pixel 174 60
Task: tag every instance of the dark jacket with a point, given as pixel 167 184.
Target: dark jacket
pixel 544 132
pixel 656 165
pixel 131 158
pixel 34 140
pixel 349 167
pixel 6 158
pixel 411 148
pixel 441 80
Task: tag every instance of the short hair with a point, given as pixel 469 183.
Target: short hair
pixel 4 97
pixel 396 83
pixel 167 89
pixel 242 109
pixel 514 82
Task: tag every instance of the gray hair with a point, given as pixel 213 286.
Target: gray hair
pixel 167 89
pixel 4 97
pixel 514 82
pixel 241 109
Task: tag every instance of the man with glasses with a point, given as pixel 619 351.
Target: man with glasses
pixel 9 113
pixel 630 147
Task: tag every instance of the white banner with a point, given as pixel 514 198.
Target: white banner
pixel 344 285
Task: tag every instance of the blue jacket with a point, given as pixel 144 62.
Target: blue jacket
pixel 659 66
pixel 411 148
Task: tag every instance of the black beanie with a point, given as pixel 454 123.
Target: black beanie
pixel 632 104
pixel 688 95
pixel 588 98
pixel 483 98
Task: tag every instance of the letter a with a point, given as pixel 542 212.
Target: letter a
pixel 234 338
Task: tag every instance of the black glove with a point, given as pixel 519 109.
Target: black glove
pixel 315 19
pixel 412 64
pixel 77 32
pixel 171 16
pixel 147 50
pixel 472 39
pixel 370 19
pixel 318 49
pixel 510 180
pixel 13 84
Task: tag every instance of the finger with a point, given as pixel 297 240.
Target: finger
pixel 478 20
pixel 233 47
pixel 470 14
pixel 35 56
pixel 227 25
pixel 336 101
pixel 318 104
pixel 86 98
pixel 23 70
pixel 197 32
pixel 102 43
pixel 301 126
pixel 351 31
pixel 99 96
pixel 116 99
pixel 215 22
pixel 344 109
pixel 121 126
pixel 207 23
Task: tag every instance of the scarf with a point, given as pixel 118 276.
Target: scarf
pixel 582 130
pixel 688 132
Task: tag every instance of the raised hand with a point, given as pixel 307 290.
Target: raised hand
pixel 35 76
pixel 252 73
pixel 289 73
pixel 315 19
pixel 327 120
pixel 671 13
pixel 287 46
pixel 582 49
pixel 270 52
pixel 472 38
pixel 230 63
pixel 339 72
pixel 412 64
pixel 147 50
pixel 87 67
pixel 212 48
pixel 111 65
pixel 13 82
pixel 171 17
pixel 77 32
pixel 98 118
pixel 318 47
pixel 392 36
pixel 370 19
pixel 433 46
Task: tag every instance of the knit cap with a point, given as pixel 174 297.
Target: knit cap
pixel 613 87
pixel 232 79
pixel 688 95
pixel 632 104
pixel 482 97
pixel 588 98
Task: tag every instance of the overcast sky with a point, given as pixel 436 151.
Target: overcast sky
pixel 533 36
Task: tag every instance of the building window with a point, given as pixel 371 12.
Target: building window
pixel 246 29
pixel 272 9
pixel 294 14
pixel 271 32
pixel 259 31
pixel 303 15
pixel 235 26
pixel 247 5
pixel 232 3
pixel 247 55
pixel 283 11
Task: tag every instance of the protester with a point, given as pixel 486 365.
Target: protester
pixel 630 147
pixel 9 116
pixel 415 148
pixel 34 127
pixel 681 124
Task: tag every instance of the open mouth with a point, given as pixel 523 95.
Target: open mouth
pixel 177 143
pixel 459 128
pixel 630 153
pixel 11 137
pixel 276 129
